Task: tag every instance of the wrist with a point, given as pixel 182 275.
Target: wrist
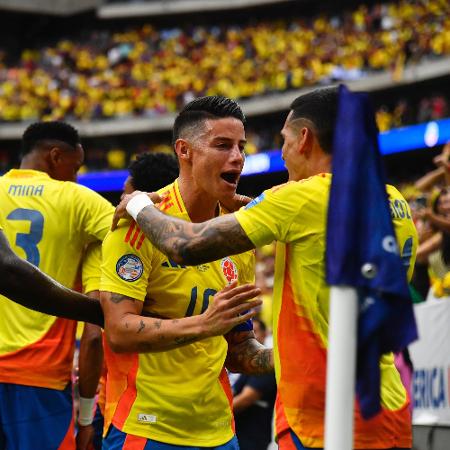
pixel 86 411
pixel 137 204
pixel 201 327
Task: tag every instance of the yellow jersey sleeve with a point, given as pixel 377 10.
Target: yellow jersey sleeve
pixel 270 216
pixel 404 228
pixel 126 268
pixel 94 213
pixel 91 267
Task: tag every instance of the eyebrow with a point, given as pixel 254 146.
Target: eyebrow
pixel 224 138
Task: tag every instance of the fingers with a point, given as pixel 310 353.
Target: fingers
pixel 154 197
pixel 248 315
pixel 239 293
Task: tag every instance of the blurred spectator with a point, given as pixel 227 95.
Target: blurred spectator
pixel 432 217
pixel 147 71
pixel 253 403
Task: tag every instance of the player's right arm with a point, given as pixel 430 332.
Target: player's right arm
pixel 128 331
pixel 125 273
pixel 25 284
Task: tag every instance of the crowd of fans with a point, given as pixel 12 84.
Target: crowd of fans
pixel 429 198
pixel 147 71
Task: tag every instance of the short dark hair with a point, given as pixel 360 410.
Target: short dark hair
pixel 39 132
pixel 320 108
pixel 152 171
pixel 261 323
pixel 212 107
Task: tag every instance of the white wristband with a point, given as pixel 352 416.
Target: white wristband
pixel 137 204
pixel 86 411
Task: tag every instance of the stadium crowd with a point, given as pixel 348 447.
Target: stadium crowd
pixel 147 71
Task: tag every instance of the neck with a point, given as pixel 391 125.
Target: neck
pixel 32 162
pixel 199 204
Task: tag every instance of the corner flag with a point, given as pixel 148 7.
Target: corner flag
pixel 362 250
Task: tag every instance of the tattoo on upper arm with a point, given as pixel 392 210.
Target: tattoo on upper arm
pixel 118 298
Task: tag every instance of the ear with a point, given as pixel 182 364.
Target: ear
pixel 182 149
pixel 305 141
pixel 54 156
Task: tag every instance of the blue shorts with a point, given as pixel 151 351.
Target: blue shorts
pixel 36 418
pixel 117 440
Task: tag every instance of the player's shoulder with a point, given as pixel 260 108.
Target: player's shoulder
pixel 127 235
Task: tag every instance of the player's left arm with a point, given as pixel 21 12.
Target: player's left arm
pixel 247 355
pixel 25 284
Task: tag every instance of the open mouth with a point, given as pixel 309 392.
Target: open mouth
pixel 230 177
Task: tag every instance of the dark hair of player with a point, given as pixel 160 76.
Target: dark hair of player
pixel 152 171
pixel 203 108
pixel 42 133
pixel 320 108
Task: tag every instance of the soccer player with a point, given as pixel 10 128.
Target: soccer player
pixel 178 392
pixel 148 172
pixel 295 215
pixel 48 220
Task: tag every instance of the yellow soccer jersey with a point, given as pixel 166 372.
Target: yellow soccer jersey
pixel 49 223
pixel 91 268
pixel 295 215
pixel 180 396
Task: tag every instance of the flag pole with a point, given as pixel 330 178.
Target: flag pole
pixel 341 368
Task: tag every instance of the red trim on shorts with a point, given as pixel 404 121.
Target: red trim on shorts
pixel 133 442
pixel 68 442
pixel 285 441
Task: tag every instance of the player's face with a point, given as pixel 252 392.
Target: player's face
pixel 218 157
pixel 68 163
pixel 128 187
pixel 290 151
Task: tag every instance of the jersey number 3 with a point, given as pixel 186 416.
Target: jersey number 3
pixel 29 241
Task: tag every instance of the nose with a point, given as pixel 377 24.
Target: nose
pixel 237 155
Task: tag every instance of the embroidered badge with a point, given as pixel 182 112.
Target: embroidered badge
pixel 229 269
pixel 129 267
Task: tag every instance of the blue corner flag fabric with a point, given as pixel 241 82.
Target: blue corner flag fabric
pixel 362 250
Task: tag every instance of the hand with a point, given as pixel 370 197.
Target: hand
pixel 230 307
pixel 121 208
pixel 85 437
pixel 424 213
pixel 237 202
pixel 442 160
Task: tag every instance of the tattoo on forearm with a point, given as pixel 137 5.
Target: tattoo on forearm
pixel 194 243
pixel 250 357
pixel 141 326
pixel 157 324
pixel 184 340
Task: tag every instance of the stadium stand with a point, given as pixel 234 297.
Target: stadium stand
pixel 120 74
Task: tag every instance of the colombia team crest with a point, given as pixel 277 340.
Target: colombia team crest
pixel 229 269
pixel 129 267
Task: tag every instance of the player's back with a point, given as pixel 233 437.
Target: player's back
pixel 47 222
